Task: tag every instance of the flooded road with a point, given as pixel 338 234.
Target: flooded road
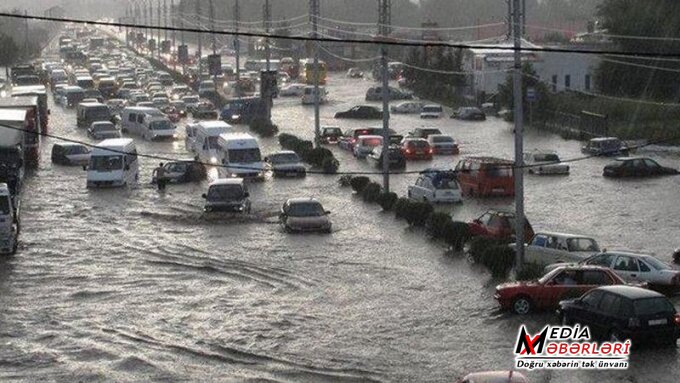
pixel 133 285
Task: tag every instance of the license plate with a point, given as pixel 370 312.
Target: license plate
pixel 419 152
pixel 498 190
pixel 657 322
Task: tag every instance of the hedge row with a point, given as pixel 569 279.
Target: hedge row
pixel 318 157
pixel 264 127
pixel 497 256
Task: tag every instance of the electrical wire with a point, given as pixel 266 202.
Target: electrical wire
pixel 369 59
pixel 385 41
pixel 630 37
pixel 423 69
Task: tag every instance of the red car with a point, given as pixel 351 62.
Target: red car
pixel 172 113
pixel 416 149
pixel 500 225
pixel 562 283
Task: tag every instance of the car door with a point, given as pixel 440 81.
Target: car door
pixel 535 250
pixel 549 295
pixel 418 191
pixel 626 267
pixel 653 168
pixel 584 310
pixel 646 273
pixel 604 315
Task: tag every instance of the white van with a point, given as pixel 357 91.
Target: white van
pixel 135 120
pixel 240 155
pixel 158 128
pixel 113 162
pixel 206 138
pixel 308 95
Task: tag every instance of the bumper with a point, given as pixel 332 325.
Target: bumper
pixel 104 184
pixel 309 229
pixel 444 150
pixel 289 172
pixel 504 303
pixel 225 208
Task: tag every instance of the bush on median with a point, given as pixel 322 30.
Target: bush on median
pixel 387 200
pixel 371 192
pixel 318 157
pixel 359 183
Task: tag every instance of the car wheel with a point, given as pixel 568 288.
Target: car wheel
pixel 15 247
pixel 521 305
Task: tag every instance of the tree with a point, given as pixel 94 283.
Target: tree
pixel 542 108
pixel 8 50
pixel 633 77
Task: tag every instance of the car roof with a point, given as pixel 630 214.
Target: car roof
pixel 227 181
pixel 493 160
pixel 600 139
pixel 631 292
pixel 565 235
pixel 369 136
pixel 582 267
pixel 283 152
pixel 302 200
pixel 629 158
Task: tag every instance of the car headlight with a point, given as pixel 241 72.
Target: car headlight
pixel 213 160
pixel 235 116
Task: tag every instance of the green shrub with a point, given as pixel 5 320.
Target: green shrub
pixel 330 165
pixel 371 192
pixel 436 224
pixel 456 233
pixel 478 245
pixel 345 181
pixel 387 200
pixel 401 207
pixel 529 272
pixel 499 259
pixel 287 140
pixel 263 127
pixel 418 213
pixel 359 183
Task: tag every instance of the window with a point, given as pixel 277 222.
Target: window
pixel 609 303
pixel 132 117
pixel 650 306
pixel 140 118
pixel 595 277
pixel 554 83
pixel 552 243
pixel 624 263
pixel 650 164
pixel 567 81
pixel 601 260
pixel 643 266
pixel 592 298
pixel 587 84
pixel 539 241
pixel 496 221
pixel 581 244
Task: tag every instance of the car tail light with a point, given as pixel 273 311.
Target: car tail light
pixel 633 322
pixel 353 140
pixel 676 319
pixel 408 151
pixel 429 150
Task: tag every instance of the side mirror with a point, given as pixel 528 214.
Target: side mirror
pixel 127 167
pixel 49 112
pixel 204 196
pixel 477 221
pixel 246 194
pixel 328 212
pixel 84 167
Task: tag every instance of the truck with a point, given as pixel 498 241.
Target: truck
pixel 31 143
pixel 14 124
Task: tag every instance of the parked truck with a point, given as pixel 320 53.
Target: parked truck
pixel 14 123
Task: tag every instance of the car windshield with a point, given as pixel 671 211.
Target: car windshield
pixel 371 142
pixel 190 100
pixel 99 113
pixel 4 205
pixel 655 263
pixel 651 306
pixel 548 157
pixel 440 139
pixel 582 244
pixel 76 149
pixel 549 276
pixel 103 127
pixel 284 158
pixel 417 144
pixel 161 125
pixel 244 155
pixel 499 171
pixel 445 183
pixel 432 109
pixel 332 132
pixel 106 163
pixel 305 209
pixel 225 193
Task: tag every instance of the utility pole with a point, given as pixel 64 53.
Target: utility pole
pixel 237 48
pixel 314 14
pixel 518 170
pixel 524 18
pixel 509 19
pixel 127 20
pixel 149 21
pixel 173 18
pixel 384 22
pixel 26 32
pixel 158 31
pixel 200 38
pixel 165 20
pixel 212 27
pixel 267 52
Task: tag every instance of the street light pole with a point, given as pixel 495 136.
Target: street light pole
pixel 314 15
pixel 384 27
pixel 237 48
pixel 518 170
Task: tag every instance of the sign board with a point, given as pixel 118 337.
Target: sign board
pixel 214 65
pixel 531 94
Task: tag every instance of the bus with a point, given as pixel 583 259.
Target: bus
pixel 309 72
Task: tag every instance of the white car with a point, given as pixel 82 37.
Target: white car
pixel 292 90
pixel 443 144
pixel 634 267
pixel 365 144
pixel 101 130
pixel 547 248
pixel 286 163
pixel 544 162
pixel 431 111
pixel 436 186
pixel 407 107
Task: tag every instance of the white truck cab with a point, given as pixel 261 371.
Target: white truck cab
pixel 206 140
pixel 113 162
pixel 240 156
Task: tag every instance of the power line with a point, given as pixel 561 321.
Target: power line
pixel 631 37
pixel 386 41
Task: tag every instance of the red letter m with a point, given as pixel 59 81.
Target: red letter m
pixel 529 345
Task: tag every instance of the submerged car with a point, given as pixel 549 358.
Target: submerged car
pixel 355 73
pixel 363 112
pixel 395 157
pixel 407 107
pixel 547 292
pixel 469 114
pixel 499 225
pixel 443 144
pixel 304 214
pixel 375 93
pixel 101 130
pixel 617 313
pixel 431 111
pixel 227 195
pixel 416 149
pixel 70 154
pixel 286 163
pixel 545 162
pixel 605 146
pixel 547 248
pixel 636 167
pixel 183 171
pixel 330 134
pixel 494 377
pixel 423 132
pixel 436 186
